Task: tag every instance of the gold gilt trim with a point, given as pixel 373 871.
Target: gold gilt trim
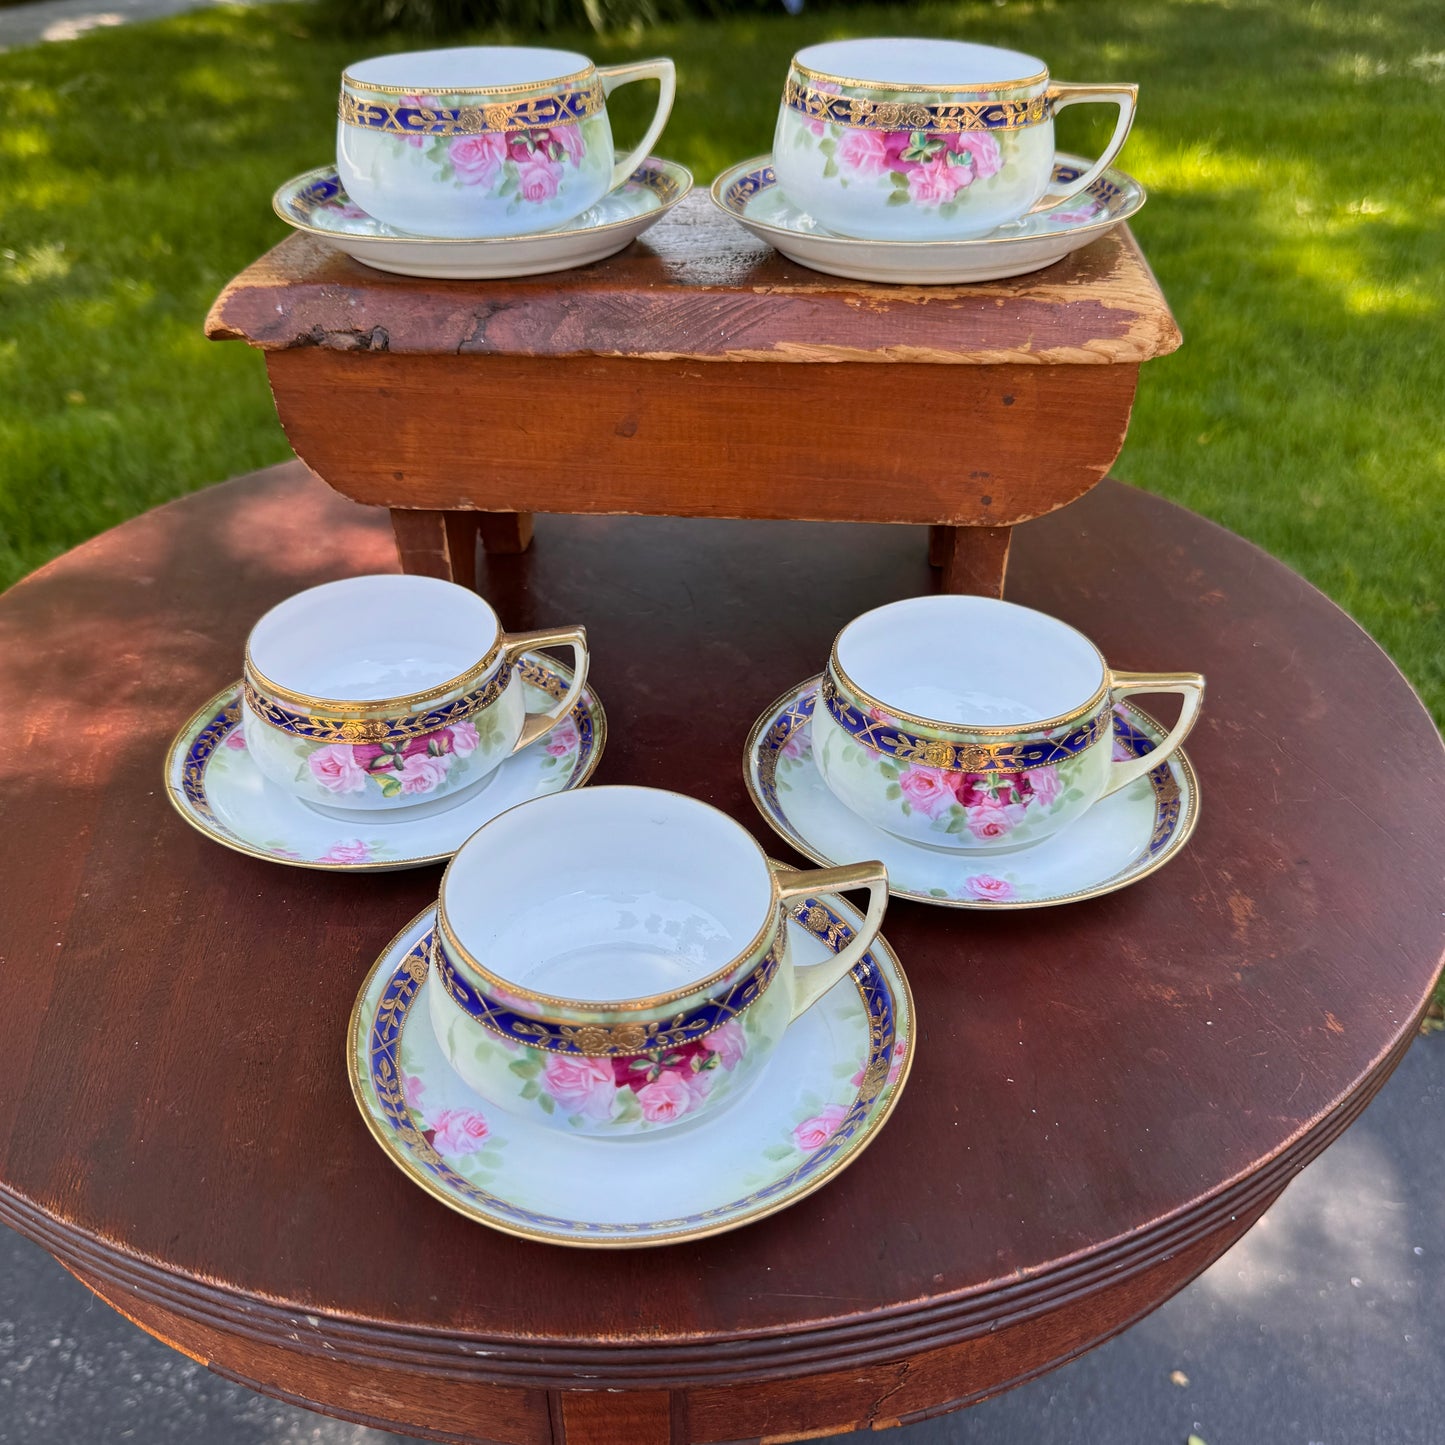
pixel 830 79
pixel 373 707
pixel 750 955
pixel 551 82
pixel 892 115
pixel 417 118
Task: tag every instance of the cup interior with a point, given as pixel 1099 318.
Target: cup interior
pixel 368 639
pixel 467 68
pixel 608 894
pixel 931 64
pixel 970 661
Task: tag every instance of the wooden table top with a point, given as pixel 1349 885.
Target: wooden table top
pixel 1096 1087
pixel 698 287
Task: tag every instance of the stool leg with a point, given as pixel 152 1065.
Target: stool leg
pixel 973 559
pixel 505 532
pixel 437 544
pixel 612 1417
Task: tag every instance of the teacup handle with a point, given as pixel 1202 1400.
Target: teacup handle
pixel 665 73
pixel 1189 686
pixel 1067 92
pixel 539 724
pixel 812 982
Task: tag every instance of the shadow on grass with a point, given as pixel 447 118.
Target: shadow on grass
pixel 1304 259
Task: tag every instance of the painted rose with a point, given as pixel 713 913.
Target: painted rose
pixel 580 1085
pixel 351 851
pixel 569 137
pixel 937 182
pixel 412 1090
pixel 895 1068
pixel 981 148
pixel 424 772
pixel 699 1084
pixel 994 820
pixel 563 738
pixel 863 152
pixel 929 790
pixel 464 738
pixel 987 887
pixel 815 1132
pixel 458 1132
pixel 666 1098
pixel 236 739
pixel 799 745
pixel 477 159
pixel 335 767
pixel 1045 783
pixel 537 178
pixel 729 1043
pixel 1078 217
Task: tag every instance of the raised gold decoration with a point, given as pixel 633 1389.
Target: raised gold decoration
pixel 861 113
pixel 413 116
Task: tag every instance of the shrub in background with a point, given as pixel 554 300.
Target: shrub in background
pixel 449 17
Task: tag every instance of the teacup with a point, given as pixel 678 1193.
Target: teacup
pixel 391 692
pixel 917 140
pixel 614 961
pixel 486 140
pixel 972 724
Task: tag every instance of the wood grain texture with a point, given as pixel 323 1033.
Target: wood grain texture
pixel 697 287
pixel 970 559
pixel 835 443
pixel 1104 1096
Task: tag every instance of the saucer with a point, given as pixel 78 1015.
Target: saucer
pixel 749 192
pixel 216 788
pixel 826 1092
pixel 317 204
pixel 1120 840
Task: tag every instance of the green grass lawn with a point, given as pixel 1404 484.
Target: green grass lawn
pixel 1296 220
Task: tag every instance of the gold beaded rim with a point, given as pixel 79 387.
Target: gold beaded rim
pixel 556 82
pixel 911 89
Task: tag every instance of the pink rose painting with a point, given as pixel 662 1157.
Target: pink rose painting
pixel 458 1132
pixel 729 1043
pixel 424 772
pixel 352 851
pixel 335 767
pixel 412 1090
pixel 988 821
pixel 562 739
pixel 666 1098
pixel 569 137
pixel 236 739
pixel 1045 783
pixel 580 1085
pixel 537 178
pixel 937 181
pixel 464 739
pixel 981 148
pixel 928 790
pixel 864 152
pixel 988 888
pixel 815 1132
pixel 477 159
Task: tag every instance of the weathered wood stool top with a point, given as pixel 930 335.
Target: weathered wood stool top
pixel 1105 1095
pixel 698 373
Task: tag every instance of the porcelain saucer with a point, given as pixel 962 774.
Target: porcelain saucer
pixel 216 788
pixel 317 204
pixel 749 192
pixel 1120 840
pixel 825 1094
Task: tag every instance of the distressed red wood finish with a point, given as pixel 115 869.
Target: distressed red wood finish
pixel 597 390
pixel 1105 1096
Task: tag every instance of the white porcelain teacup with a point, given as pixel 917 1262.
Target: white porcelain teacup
pixel 917 140
pixel 485 140
pixel 614 961
pixel 973 724
pixel 391 691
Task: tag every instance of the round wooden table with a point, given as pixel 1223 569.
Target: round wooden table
pixel 1105 1096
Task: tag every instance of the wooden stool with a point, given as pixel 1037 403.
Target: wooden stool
pixel 700 374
